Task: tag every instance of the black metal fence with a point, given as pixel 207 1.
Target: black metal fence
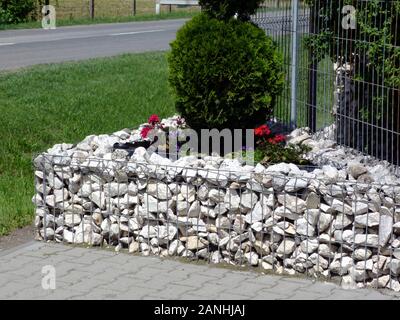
pixel 342 60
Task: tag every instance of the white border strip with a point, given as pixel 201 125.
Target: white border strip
pixel 136 32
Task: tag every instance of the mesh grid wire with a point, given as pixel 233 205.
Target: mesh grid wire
pixel 355 83
pixel 285 223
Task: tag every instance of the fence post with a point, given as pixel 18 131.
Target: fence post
pixel 293 110
pixel 312 76
pixel 91 9
pixel 158 7
pixel 134 7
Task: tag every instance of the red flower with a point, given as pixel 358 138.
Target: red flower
pixel 262 131
pixel 271 141
pixel 145 132
pixel 154 119
pixel 280 138
pixel 277 139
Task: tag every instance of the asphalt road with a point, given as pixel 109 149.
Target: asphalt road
pixel 21 48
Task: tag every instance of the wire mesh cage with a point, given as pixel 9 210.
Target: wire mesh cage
pixel 280 219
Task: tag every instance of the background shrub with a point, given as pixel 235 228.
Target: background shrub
pixel 15 11
pixel 224 74
pixel 226 9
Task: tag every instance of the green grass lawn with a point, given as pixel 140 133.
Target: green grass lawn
pixel 107 8
pixel 86 21
pixel 50 104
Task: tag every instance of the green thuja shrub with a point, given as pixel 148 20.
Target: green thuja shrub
pixel 224 73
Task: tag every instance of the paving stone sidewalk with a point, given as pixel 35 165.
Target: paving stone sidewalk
pixel 101 274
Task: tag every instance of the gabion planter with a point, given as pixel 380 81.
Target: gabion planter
pixel 281 218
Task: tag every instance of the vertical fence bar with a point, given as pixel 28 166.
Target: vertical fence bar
pixel 134 7
pixel 293 111
pixel 44 194
pixel 312 76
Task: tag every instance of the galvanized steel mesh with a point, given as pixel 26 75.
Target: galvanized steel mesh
pixel 355 83
pixel 287 223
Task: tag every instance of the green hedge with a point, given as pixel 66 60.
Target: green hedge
pixel 16 11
